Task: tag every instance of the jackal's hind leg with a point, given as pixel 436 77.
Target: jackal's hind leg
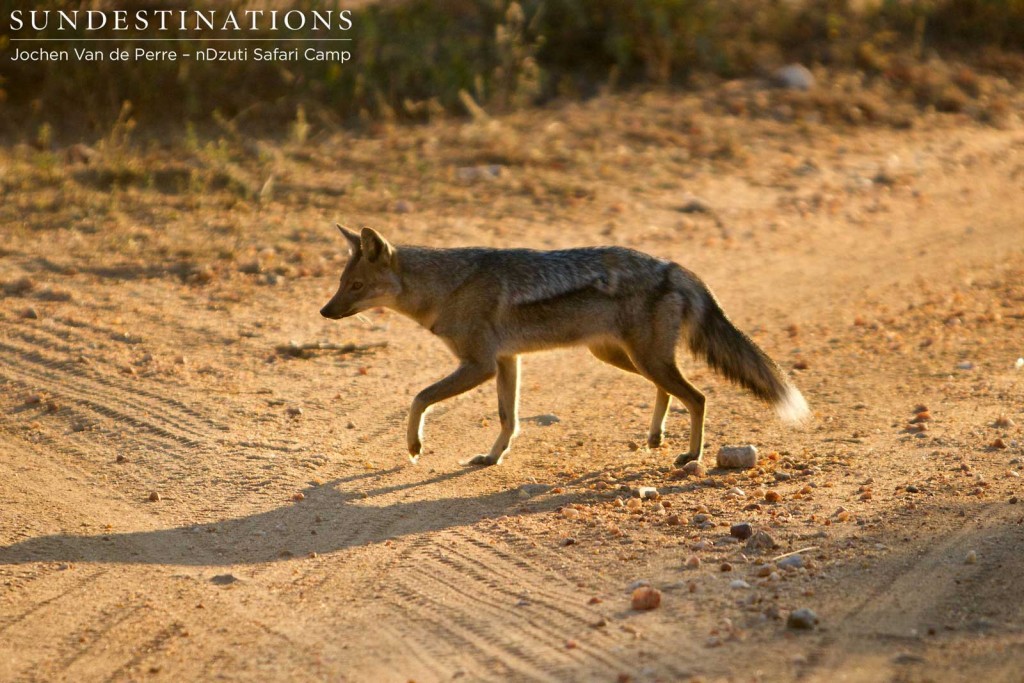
pixel 467 376
pixel 667 377
pixel 508 411
pixel 616 356
pixel 657 431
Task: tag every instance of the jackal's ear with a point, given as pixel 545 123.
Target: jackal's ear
pixel 350 237
pixel 376 249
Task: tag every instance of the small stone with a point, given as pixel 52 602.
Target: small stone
pixel 793 77
pixel 912 489
pixel 570 513
pixel 802 619
pixel 647 493
pixel 120 458
pixel 1013 500
pixel 739 583
pixel 223 579
pixel 965 365
pixel 695 205
pixel 725 567
pixel 154 497
pixel 742 531
pixel 402 206
pixel 764 571
pixel 294 411
pixel 772 496
pixel 645 598
pixel 737 457
pixel 31 313
pixel 923 416
pixel 791 562
pixel 801 365
pixel 1004 422
pixel 920 408
pixel 971 558
pixel 694 469
pixel 298 496
pixel 692 562
pixel 761 540
pixel 350 425
pixel 999 443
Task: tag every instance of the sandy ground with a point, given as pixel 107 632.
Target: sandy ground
pixel 145 298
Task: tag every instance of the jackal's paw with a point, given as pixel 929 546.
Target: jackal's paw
pixel 414 459
pixel 686 457
pixel 655 440
pixel 415 448
pixel 486 460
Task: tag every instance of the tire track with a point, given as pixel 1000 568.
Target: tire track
pixel 474 586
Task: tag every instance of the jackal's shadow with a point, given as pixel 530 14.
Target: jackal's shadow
pixel 331 517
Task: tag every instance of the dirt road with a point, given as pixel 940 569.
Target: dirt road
pixel 183 500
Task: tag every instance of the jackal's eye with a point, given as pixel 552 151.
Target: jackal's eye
pixel 356 286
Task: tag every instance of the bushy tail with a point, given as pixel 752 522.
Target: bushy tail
pixel 735 356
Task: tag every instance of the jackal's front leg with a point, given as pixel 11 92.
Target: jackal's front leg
pixel 470 374
pixel 508 411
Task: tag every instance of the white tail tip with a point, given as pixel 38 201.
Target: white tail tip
pixel 792 407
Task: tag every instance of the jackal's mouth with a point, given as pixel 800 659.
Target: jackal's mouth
pixel 331 315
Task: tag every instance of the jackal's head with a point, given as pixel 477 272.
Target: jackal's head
pixel 370 279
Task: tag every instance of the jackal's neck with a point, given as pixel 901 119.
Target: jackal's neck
pixel 427 278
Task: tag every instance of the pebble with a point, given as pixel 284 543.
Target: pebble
pixel 647 493
pixel 692 562
pixel 530 490
pixel 223 579
pixel 1003 421
pixel 772 496
pixel 999 443
pixel 694 469
pixel 739 583
pixel 31 313
pixel 546 420
pixel 645 598
pixel 971 558
pixel 695 205
pixel 298 496
pixel 742 531
pixel 294 411
pixel 965 365
pixel 154 497
pixel 570 513
pixel 725 567
pixel 802 619
pixel 793 77
pixel 791 562
pixel 761 540
pixel 737 457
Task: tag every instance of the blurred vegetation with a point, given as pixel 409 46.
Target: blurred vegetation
pixel 414 59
